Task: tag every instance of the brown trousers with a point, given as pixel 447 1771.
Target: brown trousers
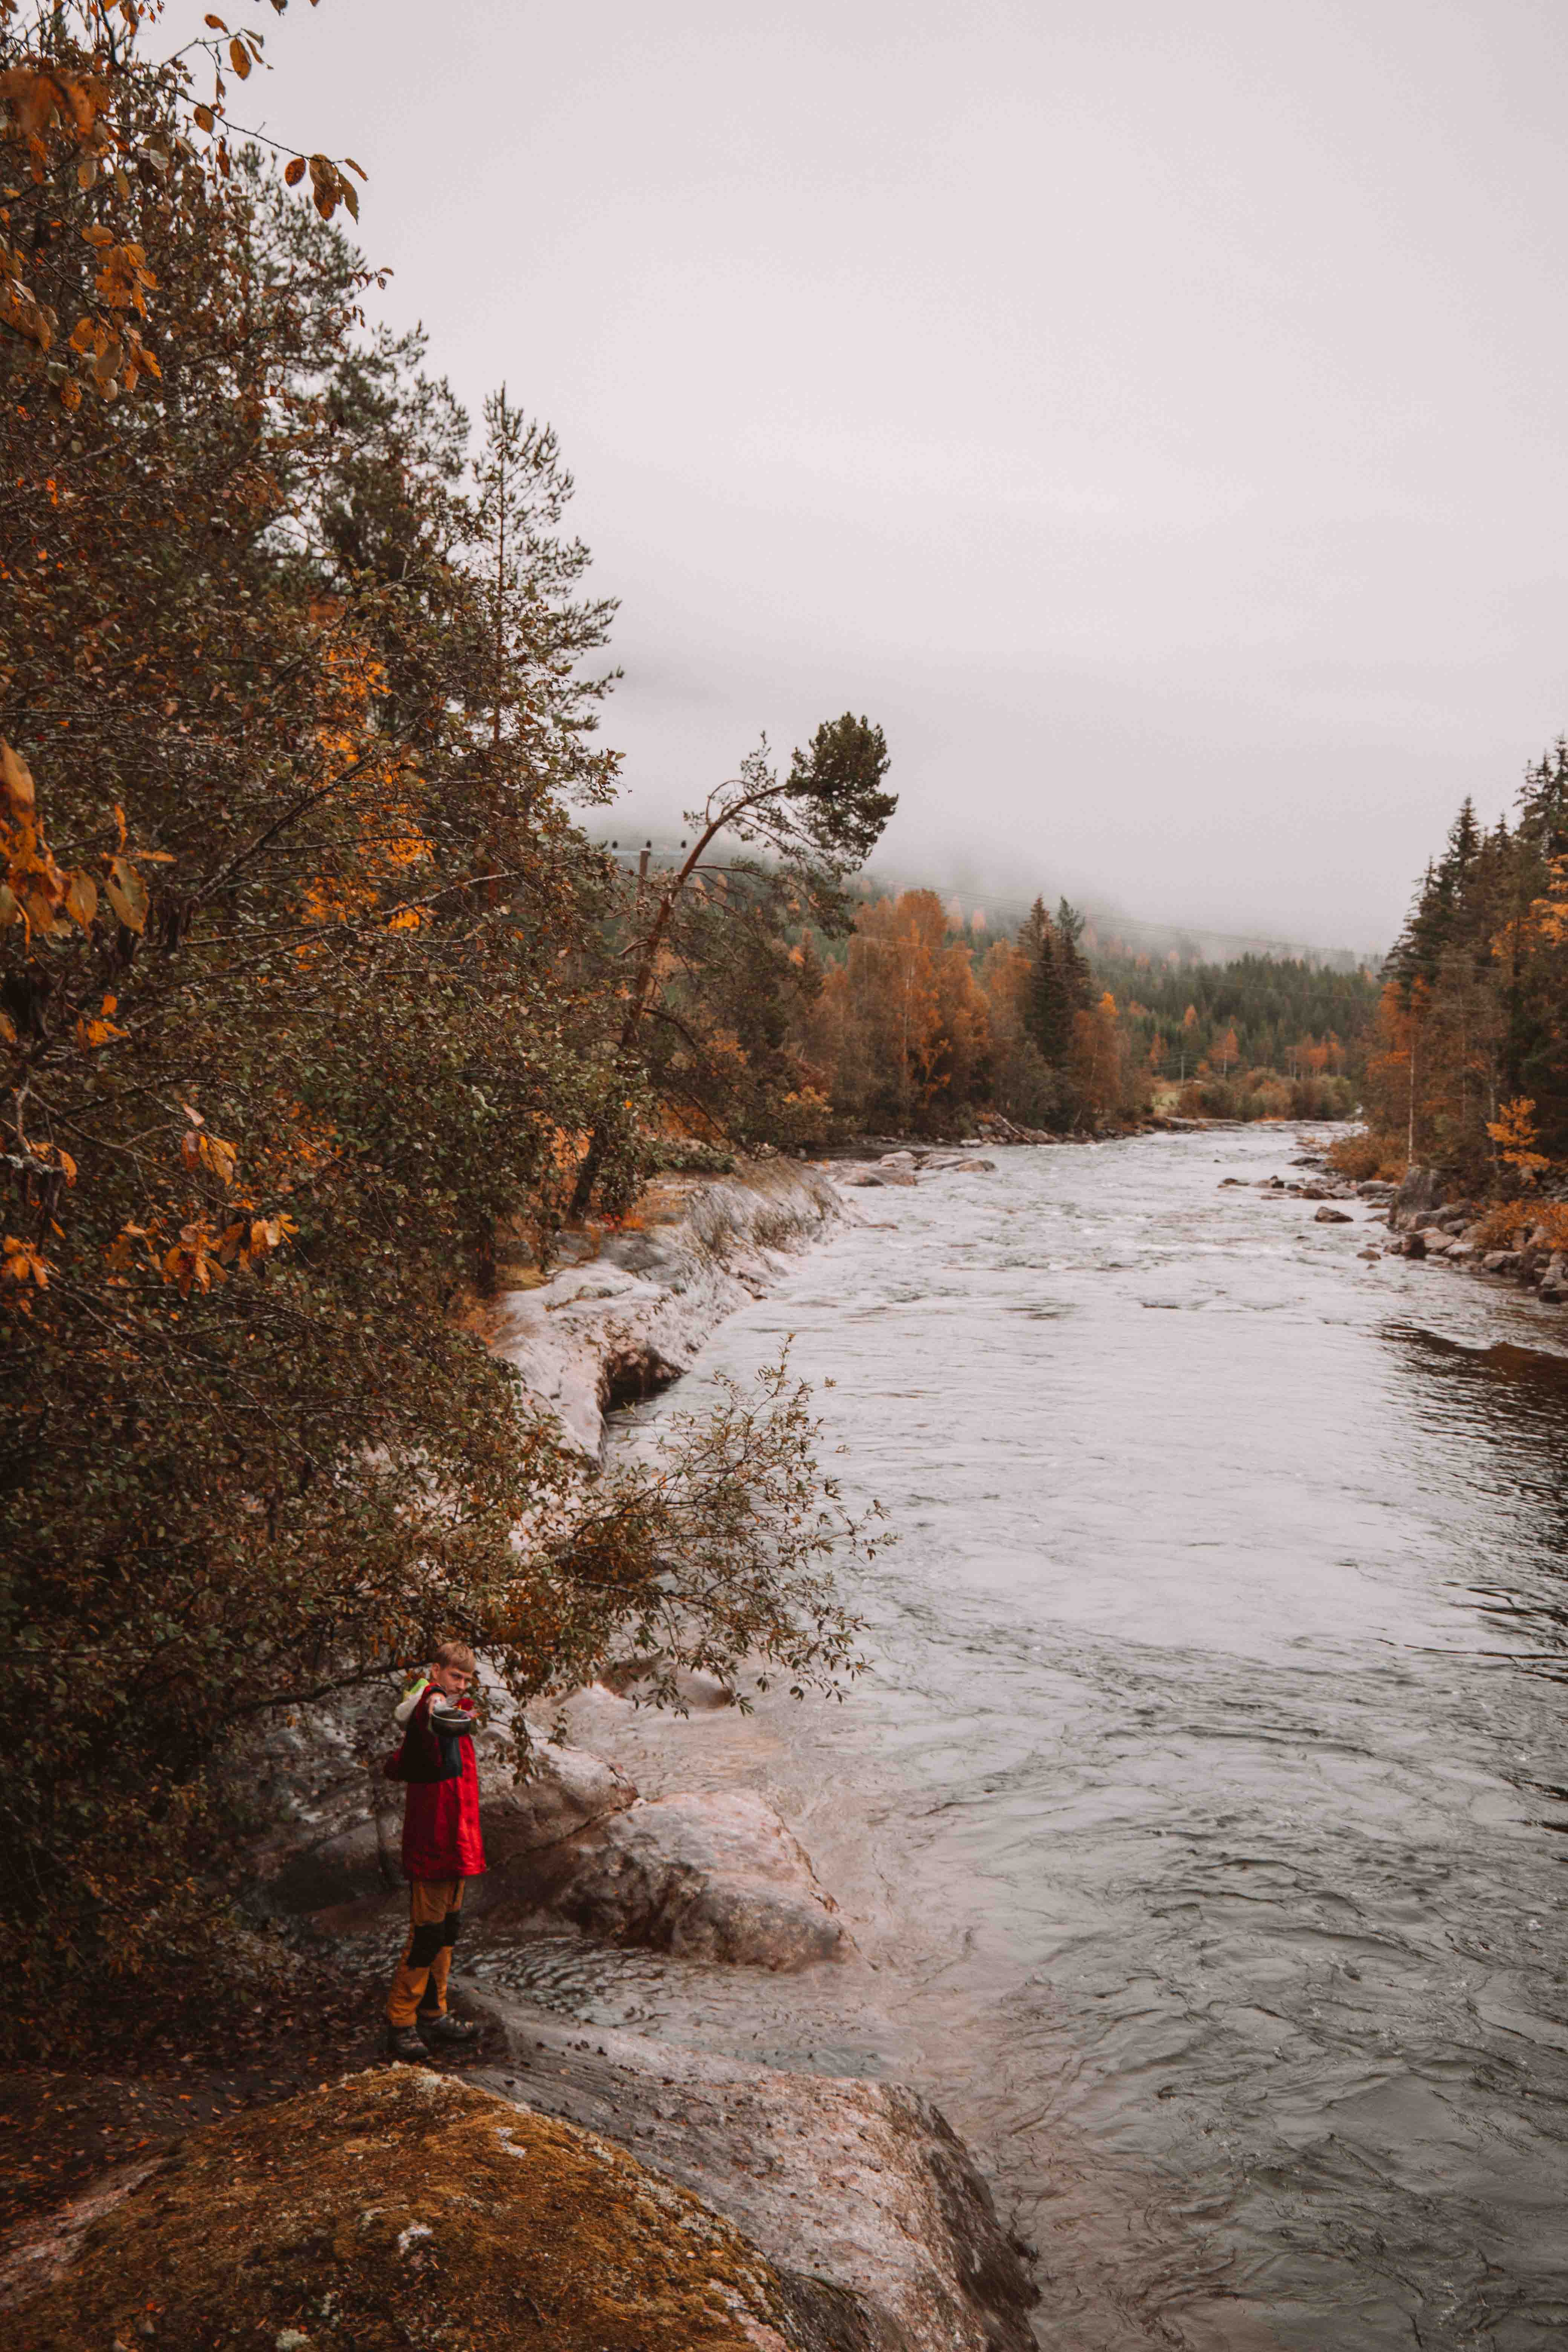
pixel 434 1907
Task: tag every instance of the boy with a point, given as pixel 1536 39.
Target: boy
pixel 441 1848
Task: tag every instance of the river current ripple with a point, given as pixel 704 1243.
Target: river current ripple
pixel 1201 1820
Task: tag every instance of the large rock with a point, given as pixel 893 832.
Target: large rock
pixel 311 1773
pixel 861 2185
pixel 713 1877
pixel 633 1319
pixel 335 1822
pixel 560 1793
pixel 405 2207
pixel 1421 1192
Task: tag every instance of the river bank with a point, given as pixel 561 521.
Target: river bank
pixel 1434 1220
pixel 1197 1833
pixel 860 2194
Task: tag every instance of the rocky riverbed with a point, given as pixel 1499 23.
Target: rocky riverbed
pixel 1430 1217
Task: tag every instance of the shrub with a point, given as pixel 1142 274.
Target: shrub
pixel 1511 1225
pixel 1504 1225
pixel 1361 1156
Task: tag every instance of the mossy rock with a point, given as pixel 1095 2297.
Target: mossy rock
pixel 404 2207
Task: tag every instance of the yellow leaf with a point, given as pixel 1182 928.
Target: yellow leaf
pixel 240 58
pixel 24 1262
pixel 217 22
pixel 294 172
pixel 8 1029
pixel 216 1156
pixel 81 898
pixel 18 781
pixel 91 1034
pixel 205 117
pixel 67 1163
pixel 127 894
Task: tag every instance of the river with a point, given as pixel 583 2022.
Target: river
pixel 1201 1820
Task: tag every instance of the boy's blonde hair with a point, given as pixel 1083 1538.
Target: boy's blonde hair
pixel 458 1654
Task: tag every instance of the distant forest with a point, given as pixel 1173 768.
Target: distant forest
pixel 787 1018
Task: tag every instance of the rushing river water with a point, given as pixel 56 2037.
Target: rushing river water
pixel 1201 1820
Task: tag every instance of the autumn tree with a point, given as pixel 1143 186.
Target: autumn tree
pixel 1473 1021
pixel 818 822
pixel 305 983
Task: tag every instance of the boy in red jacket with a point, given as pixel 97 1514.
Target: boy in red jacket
pixel 441 1847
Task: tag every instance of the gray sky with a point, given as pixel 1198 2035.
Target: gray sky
pixel 1154 415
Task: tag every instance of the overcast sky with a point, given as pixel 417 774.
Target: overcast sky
pixel 1153 415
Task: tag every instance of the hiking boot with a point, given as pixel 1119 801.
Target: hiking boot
pixel 401 2041
pixel 455 2032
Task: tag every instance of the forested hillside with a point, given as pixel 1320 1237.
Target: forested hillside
pixel 1468 1064
pixel 913 1023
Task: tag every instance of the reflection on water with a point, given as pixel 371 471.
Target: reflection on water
pixel 1512 1401
pixel 1199 1823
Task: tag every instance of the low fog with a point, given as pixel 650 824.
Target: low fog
pixel 1152 417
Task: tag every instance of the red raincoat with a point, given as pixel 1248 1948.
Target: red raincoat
pixel 441 1818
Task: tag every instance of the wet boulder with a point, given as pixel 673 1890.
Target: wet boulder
pixel 558 1793
pixel 1332 1217
pixel 652 1672
pixel 861 2185
pixel 601 1335
pixel 1421 1192
pixel 711 1878
pixel 405 2206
